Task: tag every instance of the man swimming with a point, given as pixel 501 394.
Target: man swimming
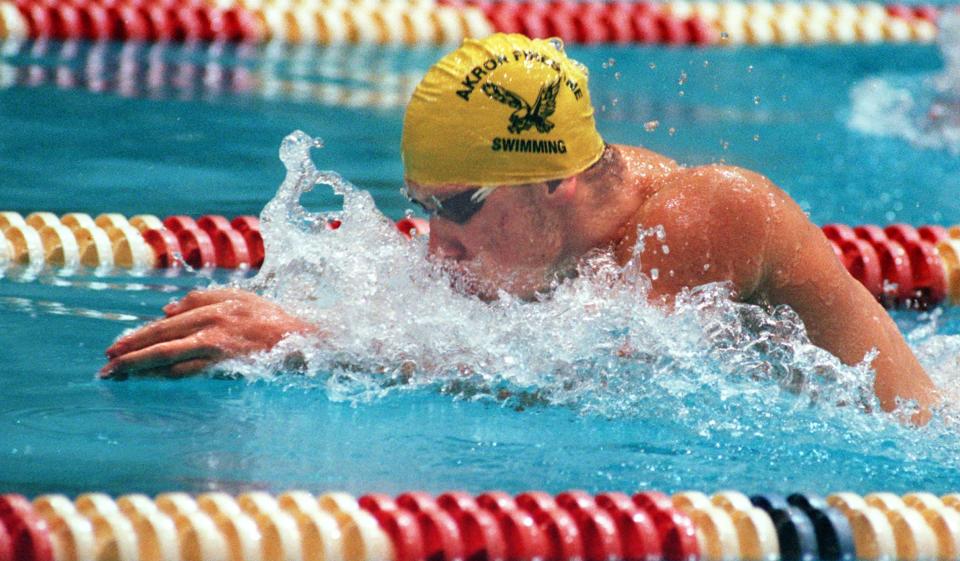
pixel 500 147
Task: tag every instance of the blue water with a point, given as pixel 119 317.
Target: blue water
pixel 194 130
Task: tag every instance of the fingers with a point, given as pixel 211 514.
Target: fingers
pixel 198 298
pixel 179 357
pixel 163 330
pixel 179 370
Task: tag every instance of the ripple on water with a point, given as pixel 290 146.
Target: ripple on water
pixel 85 420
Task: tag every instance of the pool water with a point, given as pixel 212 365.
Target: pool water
pixel 196 129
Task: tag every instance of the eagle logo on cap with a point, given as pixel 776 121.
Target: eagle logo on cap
pixel 525 115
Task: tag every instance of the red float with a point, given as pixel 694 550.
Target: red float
pixel 561 532
pixel 896 270
pixel 615 502
pixel 900 11
pixel 523 536
pixel 933 234
pixel 701 32
pixel 927 12
pixel 901 233
pixel 195 22
pixel 675 531
pixel 165 246
pixel 929 277
pixel 165 25
pixel 838 232
pixel 133 24
pixel 496 501
pixel 417 501
pixel 589 18
pixel 197 248
pixel 863 263
pixel 441 535
pixel 673 30
pixel 179 222
pixel 638 534
pixel 479 531
pixel 404 532
pixel 533 21
pixel 224 25
pixel 210 223
pixel 616 18
pixel 456 502
pixel 38 20
pixel 646 28
pixel 231 249
pixel 536 502
pixel 254 247
pixel 652 500
pixel 376 502
pixel 245 223
pixel 104 22
pixel 561 23
pixel 505 17
pixel 28 532
pixel 870 232
pixel 71 23
pixel 601 540
pixel 6 544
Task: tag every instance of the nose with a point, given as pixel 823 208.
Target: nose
pixel 444 243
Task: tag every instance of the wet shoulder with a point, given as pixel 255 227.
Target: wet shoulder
pixel 712 195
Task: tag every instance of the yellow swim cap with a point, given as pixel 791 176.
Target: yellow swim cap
pixel 503 110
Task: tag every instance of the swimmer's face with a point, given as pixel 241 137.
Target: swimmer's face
pixel 508 240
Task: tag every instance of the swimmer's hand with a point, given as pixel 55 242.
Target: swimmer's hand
pixel 203 328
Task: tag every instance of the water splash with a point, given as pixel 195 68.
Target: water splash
pixel 395 322
pixel 924 110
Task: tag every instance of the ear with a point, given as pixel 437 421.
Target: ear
pixel 565 191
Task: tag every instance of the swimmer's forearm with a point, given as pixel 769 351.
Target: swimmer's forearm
pixel 842 317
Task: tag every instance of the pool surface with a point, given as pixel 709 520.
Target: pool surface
pixel 196 129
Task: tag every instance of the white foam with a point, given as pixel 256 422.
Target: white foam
pixel 924 110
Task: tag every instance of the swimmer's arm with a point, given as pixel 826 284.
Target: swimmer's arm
pixel 727 224
pixel 841 316
pixel 203 328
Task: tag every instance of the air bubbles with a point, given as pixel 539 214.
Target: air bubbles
pixel 651 126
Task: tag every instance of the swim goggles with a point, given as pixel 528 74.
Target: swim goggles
pixel 458 208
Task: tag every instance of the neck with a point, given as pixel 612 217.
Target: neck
pixel 611 201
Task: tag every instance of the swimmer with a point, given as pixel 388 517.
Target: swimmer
pixel 500 147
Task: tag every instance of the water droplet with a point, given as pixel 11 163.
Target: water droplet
pixel 665 249
pixel 683 78
pixel 783 97
pixel 614 101
pixel 750 68
pixel 681 93
pixel 652 65
pixel 756 100
pixel 706 63
pixel 654 274
pixel 672 131
pixel 609 63
pixel 651 126
pixel 617 75
pixel 756 138
pixel 724 144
